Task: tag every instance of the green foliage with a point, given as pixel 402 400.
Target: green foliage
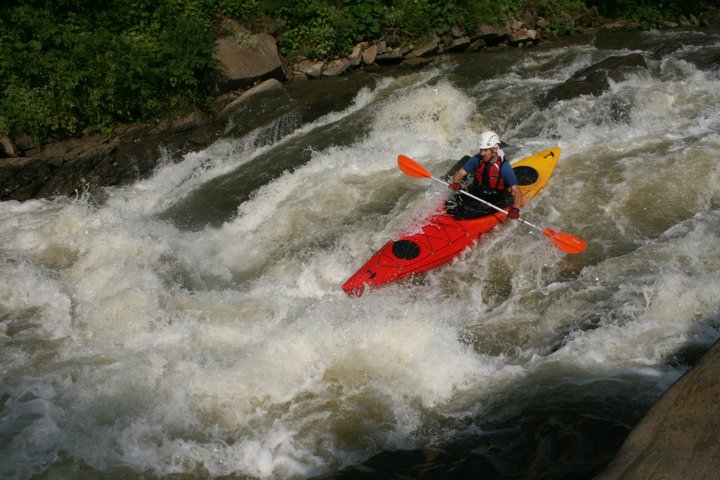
pixel 650 13
pixel 322 28
pixel 408 19
pixel 443 14
pixel 647 15
pixel 365 18
pixel 411 19
pixel 74 66
pixel 561 14
pixel 242 10
pixel 712 16
pixel 470 13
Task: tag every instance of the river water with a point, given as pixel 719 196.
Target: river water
pixel 193 323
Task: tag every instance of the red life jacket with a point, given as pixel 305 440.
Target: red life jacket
pixel 488 174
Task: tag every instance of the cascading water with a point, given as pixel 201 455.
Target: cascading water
pixel 215 340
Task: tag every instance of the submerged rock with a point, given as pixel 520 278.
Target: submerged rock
pixel 595 79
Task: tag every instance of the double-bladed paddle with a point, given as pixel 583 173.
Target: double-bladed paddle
pixel 565 242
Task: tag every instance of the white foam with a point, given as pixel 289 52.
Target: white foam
pixel 127 343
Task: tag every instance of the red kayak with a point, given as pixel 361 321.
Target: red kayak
pixel 442 238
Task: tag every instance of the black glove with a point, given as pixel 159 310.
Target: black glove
pixel 455 186
pixel 513 213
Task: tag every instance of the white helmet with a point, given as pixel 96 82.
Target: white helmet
pixel 489 140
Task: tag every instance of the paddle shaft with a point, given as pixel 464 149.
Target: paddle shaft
pixel 488 204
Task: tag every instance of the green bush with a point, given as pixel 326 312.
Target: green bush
pixel 366 18
pixel 243 10
pixel 650 13
pixel 712 17
pixel 561 14
pixel 79 66
pixel 323 29
pixel 405 20
pixel 74 66
pixel 471 14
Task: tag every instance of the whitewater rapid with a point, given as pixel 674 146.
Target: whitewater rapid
pixel 134 346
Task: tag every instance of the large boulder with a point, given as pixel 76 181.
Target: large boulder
pixel 430 48
pixel 336 67
pixel 7 147
pixel 370 54
pixel 524 37
pixel 680 436
pixel 459 44
pixel 308 69
pixel 355 56
pixel 268 87
pixel 389 57
pixel 492 35
pixel 245 59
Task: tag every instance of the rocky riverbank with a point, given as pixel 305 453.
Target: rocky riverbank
pixel 250 67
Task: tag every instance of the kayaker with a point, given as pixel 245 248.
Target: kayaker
pixel 493 180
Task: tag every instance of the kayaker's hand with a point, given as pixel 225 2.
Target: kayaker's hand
pixel 513 213
pixel 455 186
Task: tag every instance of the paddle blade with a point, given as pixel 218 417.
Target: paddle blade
pixel 412 168
pixel 566 242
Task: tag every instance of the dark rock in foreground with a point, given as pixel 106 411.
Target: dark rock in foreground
pixel 680 436
pixel 566 441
